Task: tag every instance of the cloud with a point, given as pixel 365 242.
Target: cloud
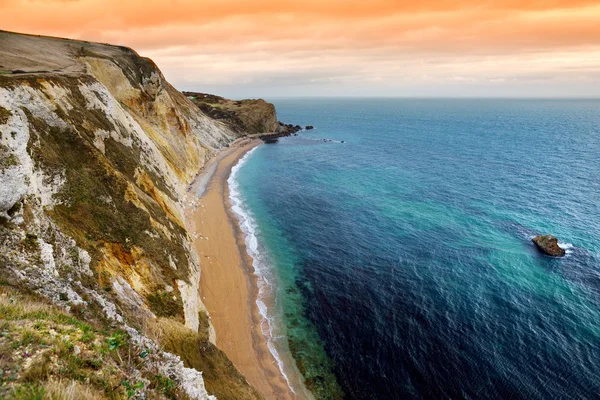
pixel 313 44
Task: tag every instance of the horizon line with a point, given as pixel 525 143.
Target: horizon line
pixel 416 97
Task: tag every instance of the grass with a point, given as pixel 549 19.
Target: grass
pixel 54 390
pixel 70 390
pixel 4 115
pixel 7 159
pixel 75 356
pixel 71 358
pixel 165 385
pixel 30 243
pixel 162 304
pixel 47 353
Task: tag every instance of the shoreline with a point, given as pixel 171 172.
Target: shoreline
pixel 228 284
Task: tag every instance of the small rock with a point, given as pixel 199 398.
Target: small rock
pixel 309 127
pixel 548 244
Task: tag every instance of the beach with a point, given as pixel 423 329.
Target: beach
pixel 228 286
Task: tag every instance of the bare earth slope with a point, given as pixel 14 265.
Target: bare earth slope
pixel 96 153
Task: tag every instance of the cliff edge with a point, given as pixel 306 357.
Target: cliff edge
pixel 99 283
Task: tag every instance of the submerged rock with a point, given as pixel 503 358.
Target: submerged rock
pixel 548 244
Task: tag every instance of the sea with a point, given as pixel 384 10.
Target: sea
pixel 393 246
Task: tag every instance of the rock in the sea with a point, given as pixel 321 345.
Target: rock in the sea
pixel 309 127
pixel 549 244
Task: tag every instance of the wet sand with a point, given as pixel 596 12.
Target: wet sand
pixel 228 285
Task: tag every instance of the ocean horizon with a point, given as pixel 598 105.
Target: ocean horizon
pixel 276 99
pixel 393 246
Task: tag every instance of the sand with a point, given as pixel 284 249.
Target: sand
pixel 227 284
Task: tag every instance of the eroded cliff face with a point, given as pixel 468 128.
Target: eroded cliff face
pixel 96 153
pixel 242 116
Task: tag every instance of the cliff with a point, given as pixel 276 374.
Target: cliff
pixel 99 283
pixel 242 116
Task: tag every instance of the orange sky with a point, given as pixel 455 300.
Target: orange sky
pixel 333 47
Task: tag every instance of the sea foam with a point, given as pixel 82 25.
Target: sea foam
pixel 260 262
pixel 567 246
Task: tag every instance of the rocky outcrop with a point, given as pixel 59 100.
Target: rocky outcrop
pixel 244 117
pixel 97 150
pixel 548 244
pixel 282 130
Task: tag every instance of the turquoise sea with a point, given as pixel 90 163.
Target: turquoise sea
pixel 398 264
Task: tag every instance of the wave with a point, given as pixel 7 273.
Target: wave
pixel 567 246
pixel 260 263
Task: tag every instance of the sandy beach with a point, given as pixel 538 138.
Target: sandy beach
pixel 228 285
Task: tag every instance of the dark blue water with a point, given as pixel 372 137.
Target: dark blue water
pixel 404 253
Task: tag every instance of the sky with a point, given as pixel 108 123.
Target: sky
pixel 418 48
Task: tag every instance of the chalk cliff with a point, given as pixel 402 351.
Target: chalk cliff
pixel 97 151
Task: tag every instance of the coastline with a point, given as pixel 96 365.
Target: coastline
pixel 228 284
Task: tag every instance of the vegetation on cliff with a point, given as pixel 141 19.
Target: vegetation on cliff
pixel 46 352
pixel 242 116
pixel 99 297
